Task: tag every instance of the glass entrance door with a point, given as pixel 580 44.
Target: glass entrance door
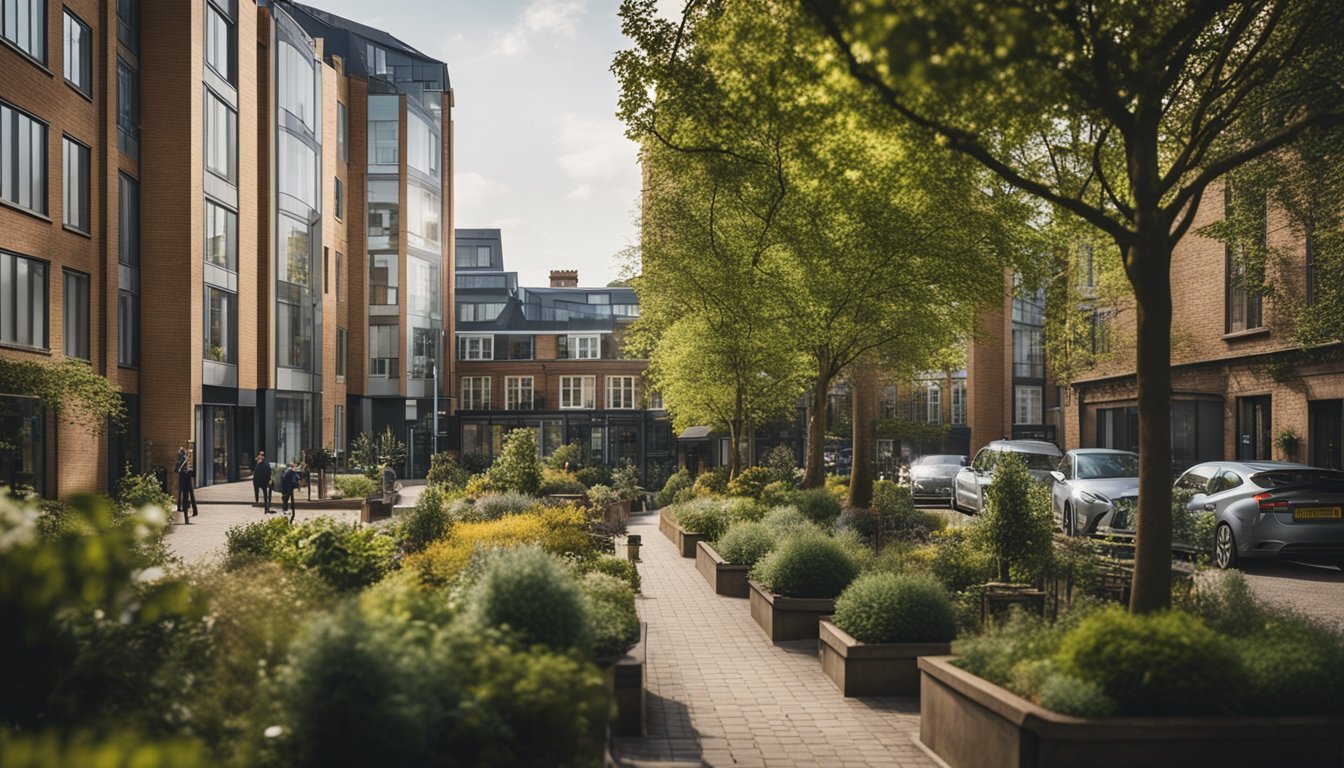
pixel 221 432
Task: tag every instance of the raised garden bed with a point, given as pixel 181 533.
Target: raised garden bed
pixel 683 539
pixel 724 578
pixel 867 669
pixel 787 618
pixel 628 688
pixel 969 722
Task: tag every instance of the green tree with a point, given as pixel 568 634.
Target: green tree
pixel 1119 113
pixel 517 468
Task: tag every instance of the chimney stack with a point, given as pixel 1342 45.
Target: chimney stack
pixel 564 278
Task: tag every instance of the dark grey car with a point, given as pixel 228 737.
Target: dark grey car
pixel 931 476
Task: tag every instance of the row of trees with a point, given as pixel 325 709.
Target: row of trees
pixel 841 183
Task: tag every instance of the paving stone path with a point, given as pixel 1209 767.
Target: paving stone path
pixel 720 694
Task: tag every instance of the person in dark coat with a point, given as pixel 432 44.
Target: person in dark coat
pixel 261 481
pixel 186 493
pixel 289 482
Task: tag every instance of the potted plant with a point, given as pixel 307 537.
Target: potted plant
pixel 1287 441
pixel 726 562
pixel 1017 530
pixel 318 460
pixel 689 523
pixel 883 623
pixel 797 583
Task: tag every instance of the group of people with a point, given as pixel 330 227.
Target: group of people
pixel 261 485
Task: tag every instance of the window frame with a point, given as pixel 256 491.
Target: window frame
pixel 128 109
pixel 35 32
pixel 9 305
pixel 80 322
pixel 85 62
pixel 230 218
pixel 84 155
pixel 513 393
pixel 576 341
pixel 37 192
pixel 229 323
pixel 586 392
pixel 626 387
pixel 230 72
pixel 342 351
pixel 484 343
pixel 477 396
pixel 1038 404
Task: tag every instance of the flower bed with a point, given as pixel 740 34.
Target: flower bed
pixel 725 578
pixel 787 618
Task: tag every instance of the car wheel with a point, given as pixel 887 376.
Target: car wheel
pixel 1224 547
pixel 1068 521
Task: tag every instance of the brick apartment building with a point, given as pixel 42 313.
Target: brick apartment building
pixel 239 211
pixel 1238 378
pixel 550 359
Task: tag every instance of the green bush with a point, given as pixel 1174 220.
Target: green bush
pixel 776 493
pixel 712 482
pixel 427 520
pixel 137 491
pixel 1017 527
pixel 599 496
pixel 745 542
pixel 475 462
pixel 493 506
pixel 892 608
pixel 1168 663
pixel 750 482
pixel 591 476
pixel 555 481
pixel 676 483
pixel 818 505
pixel 568 457
pixel 517 467
pixel 534 595
pixel 1068 695
pixel 355 486
pixel 807 565
pixel 613 566
pixel 862 523
pixel 625 482
pixel 371 454
pixel 53 749
pixel 957 562
pixel 446 471
pixel 343 555
pixel 780 462
pixel 250 542
pixel 787 520
pixel 743 509
pixel 702 515
pixel 613 623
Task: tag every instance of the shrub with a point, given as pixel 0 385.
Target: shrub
pixel 898 511
pixel 807 565
pixel 372 453
pixel 254 541
pixel 892 608
pixel 860 522
pixel 568 457
pixel 344 555
pixel 493 506
pixel 613 566
pixel 53 749
pixel 445 470
pixel 776 493
pixel 475 462
pixel 479 485
pixel 676 483
pixel 781 465
pixel 517 467
pixel 743 509
pixel 787 520
pixel 599 496
pixel 712 482
pixel 532 594
pixel 1017 528
pixel 613 623
pixel 427 520
pixel 355 486
pixel 704 515
pixel 750 482
pixel 745 542
pixel 625 482
pixel 957 562
pixel 591 476
pixel 555 481
pixel 1068 695
pixel 559 530
pixel 1168 663
pixel 818 505
pixel 137 491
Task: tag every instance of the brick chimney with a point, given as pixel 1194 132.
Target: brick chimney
pixel 564 278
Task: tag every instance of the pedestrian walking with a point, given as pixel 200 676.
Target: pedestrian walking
pixel 186 493
pixel 261 481
pixel 289 482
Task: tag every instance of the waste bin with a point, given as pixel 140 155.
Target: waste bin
pixel 375 507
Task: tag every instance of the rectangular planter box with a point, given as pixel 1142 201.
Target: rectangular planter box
pixel 628 675
pixel 863 669
pixel 787 618
pixel 971 723
pixel 724 578
pixel 684 540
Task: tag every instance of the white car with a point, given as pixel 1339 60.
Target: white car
pixel 968 487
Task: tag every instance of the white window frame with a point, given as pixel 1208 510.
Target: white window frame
pixel 1027 403
pixel 933 404
pixel 475 393
pixel 476 347
pixel 958 402
pixel 577 392
pixel 621 393
pixel 519 394
pixel 578 343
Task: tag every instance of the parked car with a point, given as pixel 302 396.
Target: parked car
pixel 1090 485
pixel 968 487
pixel 1270 509
pixel 931 476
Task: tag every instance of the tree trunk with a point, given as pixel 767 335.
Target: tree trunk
pixel 1148 264
pixel 814 469
pixel 863 383
pixel 733 463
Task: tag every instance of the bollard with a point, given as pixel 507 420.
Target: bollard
pixel 632 543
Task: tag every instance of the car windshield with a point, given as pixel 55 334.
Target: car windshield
pixel 1287 476
pixel 1099 465
pixel 925 461
pixel 1040 461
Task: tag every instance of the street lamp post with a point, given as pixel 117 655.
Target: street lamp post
pixel 438 348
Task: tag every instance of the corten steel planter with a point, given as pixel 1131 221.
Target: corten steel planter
pixel 872 669
pixel 628 678
pixel 683 539
pixel 787 618
pixel 617 515
pixel 724 578
pixel 969 722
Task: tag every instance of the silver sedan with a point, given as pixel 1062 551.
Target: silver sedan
pixel 1090 483
pixel 931 476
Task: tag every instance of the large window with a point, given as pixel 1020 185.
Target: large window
pixel 383 355
pixel 384 220
pixel 621 392
pixel 422 145
pixel 383 145
pixel 78 41
pixel 422 217
pixel 473 256
pixel 128 328
pixel 219 33
pixel 422 289
pixel 295 251
pixel 221 138
pixel 586 347
pixel 422 352
pixel 480 281
pixel 340 198
pixel 75 300
pixel 471 313
pixel 520 347
pixel 128 109
pixel 518 393
pixel 577 392
pixel 128 221
pixel 1243 281
pixel 298 169
pixel 475 347
pixel 1028 352
pixel 298 94
pixel 342 151
pixel 340 273
pixel 75 186
pixel 220 311
pixel 383 279
pixel 23 301
pixel 221 236
pixel 959 402
pixel 24 23
pixel 128 24
pixel 933 404
pixel 23 159
pixel 475 393
pixel 342 348
pixel 1026 405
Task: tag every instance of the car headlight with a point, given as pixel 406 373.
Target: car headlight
pixel 1093 498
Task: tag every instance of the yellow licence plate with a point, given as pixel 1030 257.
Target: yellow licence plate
pixel 1317 513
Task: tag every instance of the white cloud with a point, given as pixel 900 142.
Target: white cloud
pixel 557 18
pixel 596 156
pixel 477 197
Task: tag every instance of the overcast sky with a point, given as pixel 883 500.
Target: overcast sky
pixel 539 152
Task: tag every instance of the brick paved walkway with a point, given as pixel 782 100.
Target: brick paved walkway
pixel 720 694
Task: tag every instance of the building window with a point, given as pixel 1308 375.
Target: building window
pixel 340 270
pixel 298 163
pixel 221 138
pixel 340 198
pixel 475 393
pixel 75 300
pixel 475 347
pixel 625 310
pixel 1243 282
pixel 933 408
pixel 128 24
pixel 384 218
pixel 78 39
pixel 219 42
pixel 958 402
pixel 655 401
pixel 383 279
pixel 422 145
pixel 1026 405
pixel 341 150
pixel 520 347
pixel 518 393
pixel 128 328
pixel 422 216
pixel 221 236
pixel 577 392
pixel 422 287
pixel 468 313
pixel 24 23
pixel 295 242
pixel 473 256
pixel 341 348
pixel 75 185
pixel 338 431
pixel 383 355
pixel 1028 352
pixel 1101 332
pixel 383 142
pixel 621 392
pixel 422 352
pixel 297 84
pixel 128 109
pixel 588 347
pixel 23 301
pixel 128 221
pixel 480 281
pixel 220 307
pixel 23 159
